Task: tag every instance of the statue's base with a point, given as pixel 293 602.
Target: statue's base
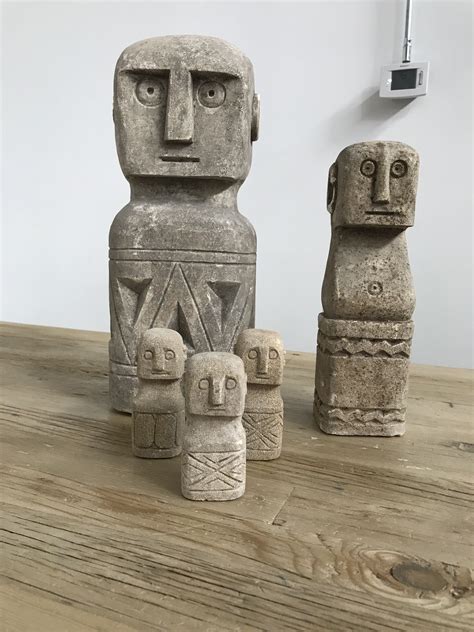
pixel 361 381
pixel 122 388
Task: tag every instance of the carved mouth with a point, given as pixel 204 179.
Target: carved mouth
pixel 382 210
pixel 160 372
pixel 180 158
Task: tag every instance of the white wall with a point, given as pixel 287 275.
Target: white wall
pixel 317 69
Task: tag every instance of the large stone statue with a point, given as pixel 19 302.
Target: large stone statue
pixel 181 254
pixel 368 299
pixel 213 461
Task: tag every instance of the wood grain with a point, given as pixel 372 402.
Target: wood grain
pixel 340 533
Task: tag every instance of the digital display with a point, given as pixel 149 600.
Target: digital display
pixel 404 79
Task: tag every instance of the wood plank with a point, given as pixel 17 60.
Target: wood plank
pixel 134 559
pixel 340 533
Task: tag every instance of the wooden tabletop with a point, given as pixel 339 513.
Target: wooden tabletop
pixel 339 533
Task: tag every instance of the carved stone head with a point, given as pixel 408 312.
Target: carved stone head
pixel 215 385
pixel 374 184
pixel 263 356
pixel 185 106
pixel 161 355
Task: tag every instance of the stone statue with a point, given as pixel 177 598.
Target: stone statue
pixel 264 358
pixel 368 298
pixel 181 254
pixel 158 411
pixel 213 460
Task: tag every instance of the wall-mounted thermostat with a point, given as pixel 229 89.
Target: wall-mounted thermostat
pixel 405 80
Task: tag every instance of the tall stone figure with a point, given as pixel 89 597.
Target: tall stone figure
pixel 213 462
pixel 181 254
pixel 365 331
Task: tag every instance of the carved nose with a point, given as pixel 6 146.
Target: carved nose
pixel 179 125
pixel 158 362
pixel 262 361
pixel 216 393
pixel 382 186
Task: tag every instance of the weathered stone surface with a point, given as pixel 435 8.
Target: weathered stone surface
pixel 263 356
pixel 181 255
pixel 213 460
pixel 368 298
pixel 158 410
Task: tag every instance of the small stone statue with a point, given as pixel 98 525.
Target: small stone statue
pixel 181 254
pixel 264 358
pixel 213 460
pixel 158 413
pixel 368 298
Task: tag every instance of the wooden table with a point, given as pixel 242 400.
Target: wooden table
pixel 339 533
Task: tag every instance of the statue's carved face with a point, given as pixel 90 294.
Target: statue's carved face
pixel 215 385
pixel 161 355
pixel 374 184
pixel 263 356
pixel 184 106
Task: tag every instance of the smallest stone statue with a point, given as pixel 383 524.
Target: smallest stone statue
pixel 158 412
pixel 213 461
pixel 263 356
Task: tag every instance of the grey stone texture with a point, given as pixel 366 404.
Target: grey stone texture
pixel 213 459
pixel 158 408
pixel 365 330
pixel 181 254
pixel 263 356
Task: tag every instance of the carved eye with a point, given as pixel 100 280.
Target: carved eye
pixel 252 354
pixel 398 169
pixel 368 168
pixel 170 355
pixel 150 91
pixel 211 94
pixel 204 384
pixel 230 383
pixel 148 355
pixel 273 354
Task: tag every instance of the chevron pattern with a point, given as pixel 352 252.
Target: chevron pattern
pixel 213 471
pixel 207 304
pixel 263 430
pixel 365 347
pixel 332 413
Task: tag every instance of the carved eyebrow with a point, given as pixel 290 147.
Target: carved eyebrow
pixel 161 72
pixel 146 72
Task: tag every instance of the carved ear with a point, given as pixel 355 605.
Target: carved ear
pixel 255 128
pixel 332 188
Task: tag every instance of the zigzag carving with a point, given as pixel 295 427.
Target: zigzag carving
pixel 367 347
pixel 359 415
pixel 207 304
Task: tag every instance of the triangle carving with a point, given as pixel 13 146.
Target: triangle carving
pixel 178 310
pixel 133 293
pixel 226 293
pixel 207 304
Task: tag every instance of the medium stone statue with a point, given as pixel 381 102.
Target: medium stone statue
pixel 368 298
pixel 264 358
pixel 181 254
pixel 213 460
pixel 158 412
